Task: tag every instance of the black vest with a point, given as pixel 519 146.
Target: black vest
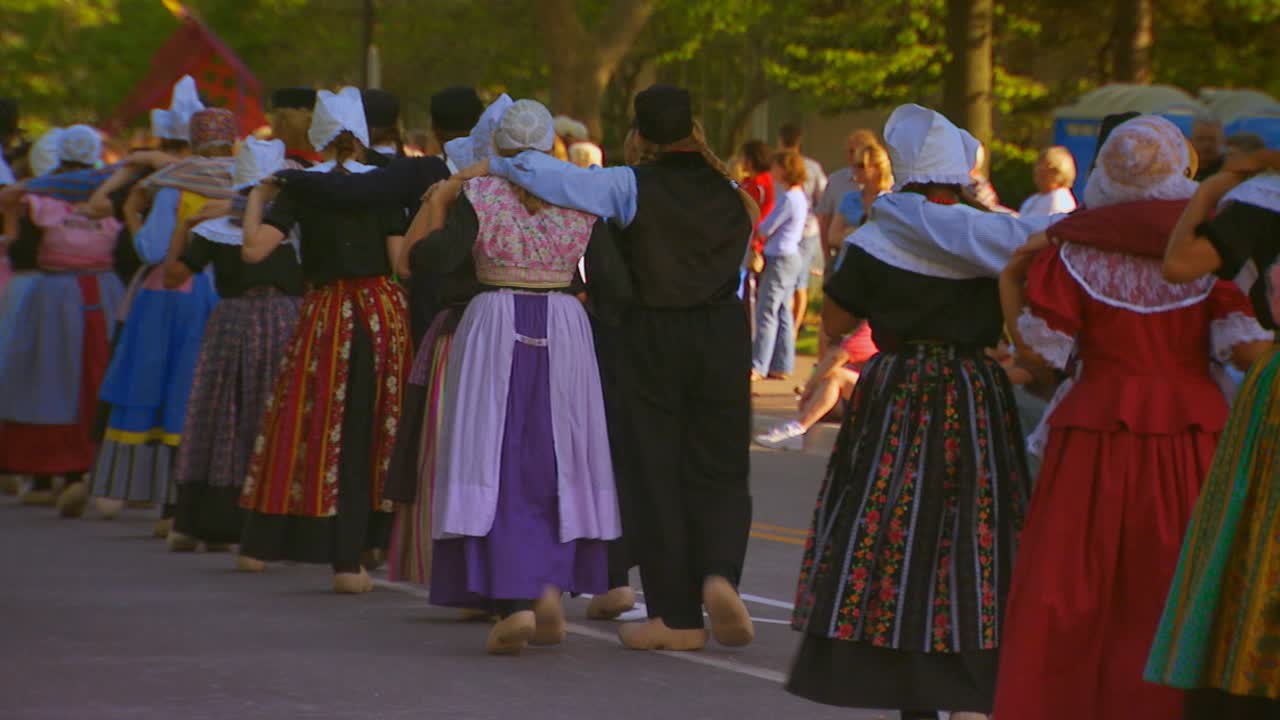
pixel 689 236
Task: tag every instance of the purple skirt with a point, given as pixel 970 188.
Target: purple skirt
pixel 522 554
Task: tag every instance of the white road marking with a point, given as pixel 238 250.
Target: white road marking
pixel 772 676
pixel 767 601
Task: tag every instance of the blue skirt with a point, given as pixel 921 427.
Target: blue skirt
pixel 147 386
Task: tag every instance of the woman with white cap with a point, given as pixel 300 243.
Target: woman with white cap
pixel 1127 441
pixel 314 484
pixel 52 362
pixel 240 355
pixel 411 477
pixel 524 499
pixel 153 361
pixel 902 586
pixel 683 368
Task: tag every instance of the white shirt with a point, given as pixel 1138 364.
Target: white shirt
pixel 6 173
pixel 1054 202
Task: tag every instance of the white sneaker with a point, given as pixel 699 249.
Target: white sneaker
pixel 788 436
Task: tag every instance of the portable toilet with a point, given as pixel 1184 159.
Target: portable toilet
pixel 1075 127
pixel 1245 111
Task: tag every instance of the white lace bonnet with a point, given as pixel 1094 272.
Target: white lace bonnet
pixel 336 112
pixel 926 147
pixel 174 123
pixel 255 160
pixel 80 144
pixel 526 125
pixel 1145 158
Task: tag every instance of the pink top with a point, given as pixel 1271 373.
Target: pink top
pixel 517 249
pixel 71 241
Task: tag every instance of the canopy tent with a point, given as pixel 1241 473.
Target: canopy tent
pixel 193 49
pixel 1245 111
pixel 1075 127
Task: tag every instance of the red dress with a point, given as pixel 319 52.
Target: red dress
pixel 1129 444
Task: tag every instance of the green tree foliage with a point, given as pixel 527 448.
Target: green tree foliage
pixel 71 61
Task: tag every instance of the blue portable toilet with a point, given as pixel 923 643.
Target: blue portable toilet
pixel 1245 111
pixel 1075 127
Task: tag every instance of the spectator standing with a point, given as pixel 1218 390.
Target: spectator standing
pixel 839 183
pixel 1055 173
pixel 815 183
pixel 774 351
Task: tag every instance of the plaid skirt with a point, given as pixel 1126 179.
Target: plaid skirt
pixel 244 344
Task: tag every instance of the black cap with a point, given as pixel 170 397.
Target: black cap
pixel 381 108
pixel 664 114
pixel 8 117
pixel 303 98
pixel 456 109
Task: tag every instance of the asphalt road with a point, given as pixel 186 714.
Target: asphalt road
pixel 99 620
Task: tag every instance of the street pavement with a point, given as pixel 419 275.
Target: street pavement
pixel 99 620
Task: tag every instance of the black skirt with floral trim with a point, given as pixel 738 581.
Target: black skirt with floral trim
pixel 908 562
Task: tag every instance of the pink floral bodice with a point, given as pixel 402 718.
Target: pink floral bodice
pixel 517 249
pixel 71 241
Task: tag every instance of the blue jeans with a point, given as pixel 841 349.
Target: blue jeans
pixel 774 350
pixel 809 246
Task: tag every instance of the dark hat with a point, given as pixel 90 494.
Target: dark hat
pixel 664 114
pixel 381 108
pixel 456 109
pixel 8 116
pixel 303 98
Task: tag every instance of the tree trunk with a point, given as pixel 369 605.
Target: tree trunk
pixel 582 60
pixel 1131 42
pixel 968 80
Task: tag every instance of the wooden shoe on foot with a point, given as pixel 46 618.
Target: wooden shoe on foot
pixel 473 615
pixel 352 583
pixel 244 563
pixel 73 500
pixel 655 635
pixel 108 508
pixel 163 527
pixel 730 621
pixel 10 484
pixel 548 612
pixel 512 633
pixel 178 542
pixel 611 604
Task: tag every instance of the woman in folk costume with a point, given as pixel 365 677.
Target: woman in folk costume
pixel 1129 439
pixel 314 486
pixel 1220 634
pixel 53 361
pixel 154 360
pixel 524 496
pixel 244 344
pixel 685 227
pixel 902 588
pixel 411 478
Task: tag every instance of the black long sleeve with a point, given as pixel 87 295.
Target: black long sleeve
pixel 401 183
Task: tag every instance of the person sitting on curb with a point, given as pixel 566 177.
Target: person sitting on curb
pixel 832 381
